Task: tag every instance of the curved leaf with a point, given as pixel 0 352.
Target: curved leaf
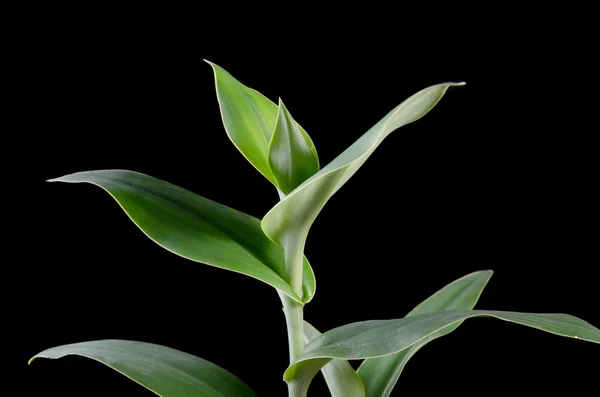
pixel 197 228
pixel 291 157
pixel 292 217
pixel 162 370
pixel 341 378
pixel 380 374
pixel 382 337
pixel 249 119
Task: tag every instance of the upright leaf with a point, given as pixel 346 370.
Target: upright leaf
pixel 162 370
pixel 382 337
pixel 380 374
pixel 197 228
pixel 292 156
pixel 292 217
pixel 342 380
pixel 249 119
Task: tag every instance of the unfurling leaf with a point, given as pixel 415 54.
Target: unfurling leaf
pixel 197 228
pixel 165 371
pixel 249 119
pixel 292 156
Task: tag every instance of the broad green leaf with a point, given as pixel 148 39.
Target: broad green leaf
pixel 292 217
pixel 380 374
pixel 249 119
pixel 197 228
pixel 383 337
pixel 162 370
pixel 341 378
pixel 292 157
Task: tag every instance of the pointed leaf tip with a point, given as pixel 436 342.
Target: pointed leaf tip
pixel 213 234
pixel 291 154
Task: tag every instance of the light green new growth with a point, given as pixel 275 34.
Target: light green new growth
pixel 272 251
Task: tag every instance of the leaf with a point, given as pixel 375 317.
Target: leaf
pixel 380 374
pixel 196 228
pixel 291 157
pixel 162 370
pixel 341 378
pixel 293 216
pixel 382 337
pixel 249 119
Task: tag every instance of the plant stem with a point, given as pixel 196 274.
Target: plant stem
pixel 294 311
pixel 298 388
pixel 294 318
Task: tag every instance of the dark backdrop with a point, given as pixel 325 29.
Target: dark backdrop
pixel 498 176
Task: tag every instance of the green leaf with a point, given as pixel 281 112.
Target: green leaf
pixel 293 216
pixel 292 157
pixel 162 370
pixel 380 374
pixel 382 337
pixel 341 378
pixel 197 228
pixel 249 119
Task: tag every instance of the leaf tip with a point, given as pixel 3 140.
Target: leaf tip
pixel 488 274
pixel 59 179
pixel 31 360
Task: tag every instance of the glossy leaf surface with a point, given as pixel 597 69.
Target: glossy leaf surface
pixel 249 119
pixel 342 380
pixel 165 371
pixel 382 337
pixel 196 228
pixel 380 374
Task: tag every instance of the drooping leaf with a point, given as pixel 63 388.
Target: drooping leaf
pixel 382 337
pixel 293 216
pixel 292 157
pixel 162 370
pixel 197 228
pixel 249 119
pixel 380 374
pixel 342 380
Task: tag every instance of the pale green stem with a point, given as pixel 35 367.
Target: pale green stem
pixel 294 311
pixel 294 318
pixel 298 388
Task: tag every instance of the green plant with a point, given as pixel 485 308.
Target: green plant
pixel 271 250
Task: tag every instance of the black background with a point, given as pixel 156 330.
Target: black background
pixel 500 175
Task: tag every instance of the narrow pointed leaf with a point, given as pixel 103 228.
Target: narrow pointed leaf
pixel 292 217
pixel 162 370
pixel 249 119
pixel 341 378
pixel 196 228
pixel 380 374
pixel 382 337
pixel 291 157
